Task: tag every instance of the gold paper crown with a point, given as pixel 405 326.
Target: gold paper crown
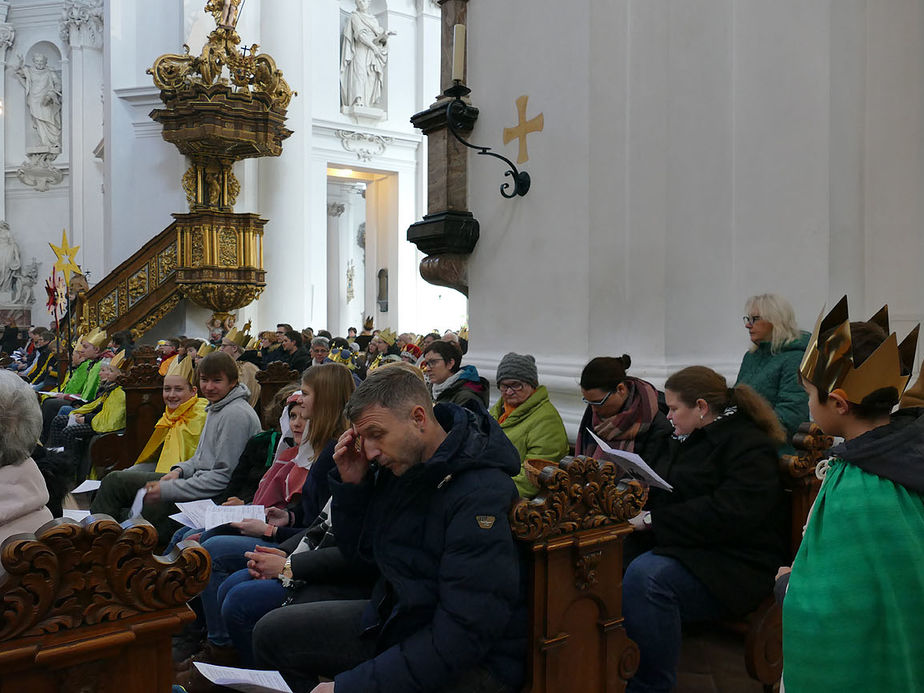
pixel 367 323
pixel 829 364
pixel 389 336
pixel 97 338
pixel 463 333
pixel 253 344
pixel 118 361
pixel 240 337
pixel 183 368
pixel 204 350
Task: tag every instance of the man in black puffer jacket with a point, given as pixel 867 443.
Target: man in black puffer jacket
pixel 424 492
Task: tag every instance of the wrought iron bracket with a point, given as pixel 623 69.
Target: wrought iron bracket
pixel 455 119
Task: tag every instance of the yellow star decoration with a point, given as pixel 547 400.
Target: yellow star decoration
pixel 65 254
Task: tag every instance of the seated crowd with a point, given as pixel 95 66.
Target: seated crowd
pixel 385 559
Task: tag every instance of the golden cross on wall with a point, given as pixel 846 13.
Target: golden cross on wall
pixel 523 128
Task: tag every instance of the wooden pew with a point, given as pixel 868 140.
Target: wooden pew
pixel 144 405
pixel 274 378
pixel 573 531
pixel 764 640
pixel 88 607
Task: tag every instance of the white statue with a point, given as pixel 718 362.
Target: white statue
pixel 363 57
pixel 10 261
pixel 24 295
pixel 43 96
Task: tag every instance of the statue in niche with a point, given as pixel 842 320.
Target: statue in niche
pixel 43 97
pixel 10 260
pixel 362 59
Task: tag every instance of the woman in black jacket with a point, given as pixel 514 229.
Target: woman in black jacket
pixel 710 548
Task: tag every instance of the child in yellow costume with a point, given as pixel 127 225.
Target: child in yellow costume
pixel 104 414
pixel 176 434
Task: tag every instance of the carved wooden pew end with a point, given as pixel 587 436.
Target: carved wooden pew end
pixel 88 606
pixel 574 529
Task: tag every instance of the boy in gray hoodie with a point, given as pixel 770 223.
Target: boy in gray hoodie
pixel 230 422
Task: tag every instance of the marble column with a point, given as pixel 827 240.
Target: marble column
pixel 82 34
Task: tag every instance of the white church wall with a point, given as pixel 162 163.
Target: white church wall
pixel 693 154
pixel 142 171
pixel 894 174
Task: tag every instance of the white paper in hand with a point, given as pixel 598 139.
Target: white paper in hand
pixel 246 680
pixel 139 503
pixel 632 463
pixel 87 486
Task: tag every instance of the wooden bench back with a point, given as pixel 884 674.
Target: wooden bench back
pixel 89 607
pixel 277 375
pixel 573 531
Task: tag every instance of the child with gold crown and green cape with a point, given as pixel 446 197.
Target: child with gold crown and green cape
pixel 852 615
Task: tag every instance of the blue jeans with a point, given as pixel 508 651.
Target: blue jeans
pixel 227 554
pixel 658 595
pixel 243 601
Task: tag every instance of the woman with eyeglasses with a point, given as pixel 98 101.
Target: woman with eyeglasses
pixel 528 417
pixel 449 380
pixel 623 411
pixel 771 365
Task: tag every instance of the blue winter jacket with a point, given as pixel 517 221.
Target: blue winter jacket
pixel 452 592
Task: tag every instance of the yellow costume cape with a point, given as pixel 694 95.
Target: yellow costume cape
pixel 178 431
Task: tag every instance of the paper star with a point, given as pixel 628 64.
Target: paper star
pixel 65 254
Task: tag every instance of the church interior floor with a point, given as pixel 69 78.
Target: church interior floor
pixel 713 662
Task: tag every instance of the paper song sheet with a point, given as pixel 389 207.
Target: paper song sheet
pixel 632 463
pixel 204 513
pixel 139 503
pixel 87 486
pixel 246 680
pixel 74 514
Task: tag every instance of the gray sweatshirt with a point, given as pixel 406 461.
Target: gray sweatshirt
pixel 229 424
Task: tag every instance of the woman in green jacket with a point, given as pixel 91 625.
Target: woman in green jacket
pixel 771 366
pixel 528 417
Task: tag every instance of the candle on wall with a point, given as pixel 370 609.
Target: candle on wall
pixel 458 52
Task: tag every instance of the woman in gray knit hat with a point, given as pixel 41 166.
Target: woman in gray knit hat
pixel 528 417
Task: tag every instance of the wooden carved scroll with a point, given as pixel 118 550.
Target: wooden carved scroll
pixel 812 443
pixel 277 372
pixel 69 575
pixel 576 493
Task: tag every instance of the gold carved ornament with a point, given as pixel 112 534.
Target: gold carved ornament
pixel 222 298
pixel 576 493
pixel 155 316
pixel 227 247
pixel 70 574
pixel 249 71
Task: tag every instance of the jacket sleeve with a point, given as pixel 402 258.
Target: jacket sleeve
pixel 478 590
pixel 233 432
pixel 348 514
pixel 92 384
pixel 738 504
pixel 547 439
pixel 791 406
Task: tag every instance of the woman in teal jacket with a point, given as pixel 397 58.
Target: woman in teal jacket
pixel 771 366
pixel 528 417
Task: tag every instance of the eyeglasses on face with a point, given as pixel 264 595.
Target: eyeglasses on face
pixel 750 319
pixel 510 386
pixel 598 403
pixel 429 363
